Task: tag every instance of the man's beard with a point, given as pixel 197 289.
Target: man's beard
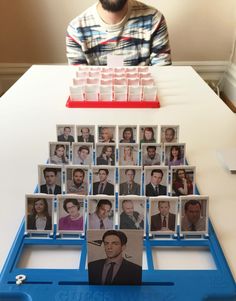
pixel 113 5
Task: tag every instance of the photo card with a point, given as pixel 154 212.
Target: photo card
pixel 130 180
pixel 148 134
pixel 155 180
pixel 163 215
pixel 174 154
pixel 65 132
pixel 39 213
pixel 128 154
pixel 194 214
pixel 182 180
pixel 70 213
pixel 101 212
pixel 115 257
pixel 82 153
pixel 169 133
pixel 85 133
pixel 105 154
pixel 127 133
pixel 132 212
pixel 151 154
pixel 106 133
pixel 77 179
pixel 59 153
pixel 103 180
pixel 50 179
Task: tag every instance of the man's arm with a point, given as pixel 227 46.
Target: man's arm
pixel 74 52
pixel 160 48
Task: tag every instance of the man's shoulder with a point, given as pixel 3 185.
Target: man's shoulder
pixel 85 17
pixel 96 263
pixel 131 265
pixel 139 6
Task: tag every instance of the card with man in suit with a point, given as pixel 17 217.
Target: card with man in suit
pixel 115 257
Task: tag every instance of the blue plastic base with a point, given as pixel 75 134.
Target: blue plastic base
pixel 72 285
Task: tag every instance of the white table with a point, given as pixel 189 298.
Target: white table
pixel 30 110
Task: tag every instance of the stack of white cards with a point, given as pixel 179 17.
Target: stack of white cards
pixel 113 84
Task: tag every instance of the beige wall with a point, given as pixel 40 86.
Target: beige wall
pixel 33 31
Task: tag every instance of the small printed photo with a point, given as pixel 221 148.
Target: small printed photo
pixel 174 154
pixel 163 214
pixel 105 154
pixel 107 133
pixel 128 154
pixel 156 180
pixel 101 212
pixel 147 134
pixel 70 213
pixel 103 179
pixel 77 179
pixel 82 153
pixel 39 213
pixel 182 180
pixel 66 133
pixel 127 134
pixel 85 133
pixel 50 179
pixel 115 257
pixel 59 153
pixel 130 180
pixel 169 133
pixel 151 154
pixel 132 212
pixel 194 214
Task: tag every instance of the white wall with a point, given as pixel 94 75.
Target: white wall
pixel 33 31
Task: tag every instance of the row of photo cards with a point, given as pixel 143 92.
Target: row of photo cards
pixel 117 134
pixel 102 213
pixel 131 180
pixel 82 153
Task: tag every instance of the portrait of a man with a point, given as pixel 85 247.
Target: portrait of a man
pixel 51 178
pixel 114 267
pixel 66 135
pixel 194 214
pixel 163 219
pixel 154 187
pixel 102 217
pixel 130 186
pixel 103 186
pixel 132 213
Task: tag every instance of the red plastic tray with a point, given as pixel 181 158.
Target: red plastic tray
pixel 113 104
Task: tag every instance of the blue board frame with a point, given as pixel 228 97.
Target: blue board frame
pixel 72 284
pixel 68 285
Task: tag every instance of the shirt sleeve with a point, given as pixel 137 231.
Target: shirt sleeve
pixel 160 48
pixel 74 52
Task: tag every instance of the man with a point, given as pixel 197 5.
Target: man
pixel 100 218
pixel 77 184
pixel 130 219
pixel 192 220
pixel 169 135
pixel 66 137
pixel 152 157
pixel 154 188
pixel 114 269
pixel 129 28
pixel 85 136
pixel 165 220
pixel 103 186
pixel 50 176
pixel 83 157
pixel 130 186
